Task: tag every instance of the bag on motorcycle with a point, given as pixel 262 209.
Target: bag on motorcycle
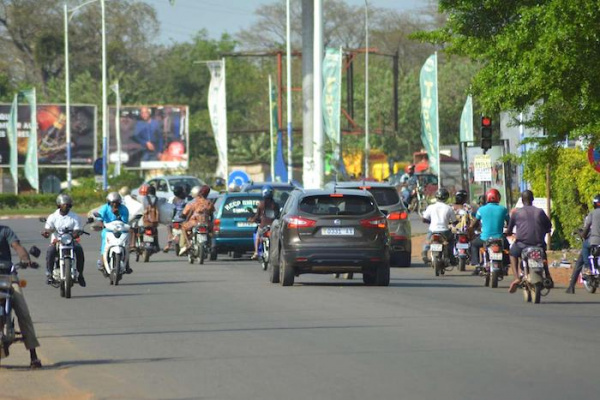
pixel 151 216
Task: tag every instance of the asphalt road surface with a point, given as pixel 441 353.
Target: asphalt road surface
pixel 177 331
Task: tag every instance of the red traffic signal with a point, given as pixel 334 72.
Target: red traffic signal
pixel 486 133
pixel 486 121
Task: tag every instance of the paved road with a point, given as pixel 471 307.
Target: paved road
pixel 221 331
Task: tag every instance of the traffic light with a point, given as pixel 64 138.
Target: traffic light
pixel 486 133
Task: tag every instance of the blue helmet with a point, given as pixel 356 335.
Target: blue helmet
pixel 267 192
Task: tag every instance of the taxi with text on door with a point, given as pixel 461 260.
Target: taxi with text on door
pixel 325 231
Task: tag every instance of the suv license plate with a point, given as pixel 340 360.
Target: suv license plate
pixel 436 247
pixel 337 231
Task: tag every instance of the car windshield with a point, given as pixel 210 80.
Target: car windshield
pixel 184 182
pixel 336 204
pixel 238 207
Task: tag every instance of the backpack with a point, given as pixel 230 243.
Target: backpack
pixel 151 216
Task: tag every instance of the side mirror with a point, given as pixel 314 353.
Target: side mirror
pixel 96 214
pixel 42 219
pixel 90 220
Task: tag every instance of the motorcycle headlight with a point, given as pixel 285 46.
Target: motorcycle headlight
pixel 66 239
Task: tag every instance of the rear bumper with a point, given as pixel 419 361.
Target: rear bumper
pixel 335 260
pixel 232 244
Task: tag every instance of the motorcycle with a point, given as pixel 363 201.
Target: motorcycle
pixel 115 257
pixel 493 268
pixel 533 282
pixel 591 276
pixel 200 244
pixel 440 259
pixel 462 250
pixel 65 272
pixel 417 202
pixel 8 333
pixel 264 246
pixel 149 245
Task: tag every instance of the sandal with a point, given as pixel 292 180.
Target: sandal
pixel 514 286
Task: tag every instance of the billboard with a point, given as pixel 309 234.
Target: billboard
pixel 495 176
pixel 152 137
pixel 52 139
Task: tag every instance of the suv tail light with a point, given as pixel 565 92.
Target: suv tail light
pixel 216 225
pixel 397 215
pixel 299 222
pixel 375 222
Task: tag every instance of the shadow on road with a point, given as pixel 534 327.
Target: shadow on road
pixel 167 283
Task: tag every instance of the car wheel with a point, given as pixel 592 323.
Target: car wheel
pixel 383 275
pixel 286 273
pixel 369 277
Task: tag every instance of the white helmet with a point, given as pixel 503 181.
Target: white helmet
pixel 234 187
pixel 195 191
pixel 113 197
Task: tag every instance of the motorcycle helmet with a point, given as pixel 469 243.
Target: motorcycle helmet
pixel 409 169
pixel 64 199
pixel 124 191
pixel 151 190
pixel 143 190
pixel 267 192
pixel 113 197
pixel 195 190
pixel 442 194
pixel 460 197
pixel 179 191
pixel 204 191
pixel 492 196
pixel 596 201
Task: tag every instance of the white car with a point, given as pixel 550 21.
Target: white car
pixel 164 184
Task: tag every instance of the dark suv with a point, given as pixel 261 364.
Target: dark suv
pixel 330 231
pixel 389 201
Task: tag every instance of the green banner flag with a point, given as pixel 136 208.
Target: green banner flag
pixel 429 111
pixel 31 161
pixel 466 121
pixel 332 96
pixel 12 140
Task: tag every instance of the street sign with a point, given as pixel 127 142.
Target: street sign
pixel 238 177
pixel 482 168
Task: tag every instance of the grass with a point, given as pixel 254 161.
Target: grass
pixel 26 211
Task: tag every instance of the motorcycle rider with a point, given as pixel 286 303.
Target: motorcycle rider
pixel 111 211
pixel 532 224
pixel 267 203
pixel 197 211
pixel 63 219
pixel 151 201
pixel 461 204
pixel 491 216
pixel 583 254
pixel 591 234
pixel 439 216
pixel 408 181
pixel 179 200
pixel 8 239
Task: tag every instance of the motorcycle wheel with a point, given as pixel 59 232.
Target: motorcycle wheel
pixel 146 256
pixel 201 255
pixel 494 279
pixel 114 273
pixel 68 282
pixel 486 282
pixel 526 294
pixel 589 286
pixel 213 254
pixel 537 293
pixel 435 263
pixel 422 206
pixel 462 264
pixel 190 255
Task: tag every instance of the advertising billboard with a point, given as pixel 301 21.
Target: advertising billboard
pixel 152 137
pixel 52 139
pixel 490 168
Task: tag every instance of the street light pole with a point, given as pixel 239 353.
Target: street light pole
pixel 367 147
pixel 67 99
pixel 104 105
pixel 288 59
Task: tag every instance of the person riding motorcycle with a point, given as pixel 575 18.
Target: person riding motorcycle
pixel 149 201
pixel 179 200
pixel 463 210
pixel 8 239
pixel 408 181
pixel 267 203
pixel 61 219
pixel 532 224
pixel 491 216
pixel 591 236
pixel 440 216
pixel 198 211
pixel 111 211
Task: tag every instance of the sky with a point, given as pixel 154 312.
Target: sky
pixel 179 22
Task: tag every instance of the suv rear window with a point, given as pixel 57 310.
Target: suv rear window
pixel 237 207
pixel 342 205
pixel 384 196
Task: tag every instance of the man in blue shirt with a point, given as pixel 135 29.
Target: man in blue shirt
pixel 492 216
pixel 113 210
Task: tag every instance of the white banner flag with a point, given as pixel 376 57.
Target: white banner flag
pixel 217 108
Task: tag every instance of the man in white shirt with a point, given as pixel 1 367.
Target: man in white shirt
pixel 63 219
pixel 439 216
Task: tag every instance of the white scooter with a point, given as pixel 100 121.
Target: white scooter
pixel 115 257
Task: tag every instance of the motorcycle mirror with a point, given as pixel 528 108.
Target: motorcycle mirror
pixel 35 251
pixel 96 214
pixel 90 220
pixel 42 219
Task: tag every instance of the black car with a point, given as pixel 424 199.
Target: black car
pixel 389 201
pixel 323 231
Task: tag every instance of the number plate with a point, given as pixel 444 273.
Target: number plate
pixel 247 224
pixel 148 239
pixel 436 247
pixel 462 245
pixel 202 237
pixel 337 231
pixel 496 256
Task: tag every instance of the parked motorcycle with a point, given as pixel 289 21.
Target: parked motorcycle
pixel 116 250
pixel 65 272
pixel 493 267
pixel 200 244
pixel 8 333
pixel 533 282
pixel 591 276
pixel 439 254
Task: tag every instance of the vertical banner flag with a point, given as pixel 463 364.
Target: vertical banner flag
pixel 332 95
pixel 12 139
pixel 217 108
pixel 466 121
pixel 31 160
pixel 429 114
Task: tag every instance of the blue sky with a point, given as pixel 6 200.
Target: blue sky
pixel 182 20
